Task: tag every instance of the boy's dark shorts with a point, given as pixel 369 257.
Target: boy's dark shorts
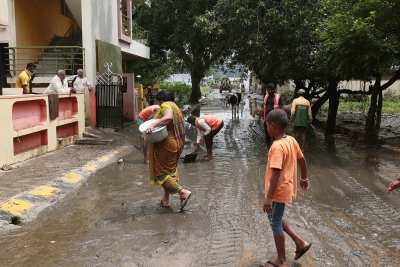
pixel 299 129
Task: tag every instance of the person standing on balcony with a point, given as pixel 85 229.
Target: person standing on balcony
pixel 59 85
pixel 79 82
pixel 24 77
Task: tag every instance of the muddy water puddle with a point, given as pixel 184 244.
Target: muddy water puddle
pixel 112 220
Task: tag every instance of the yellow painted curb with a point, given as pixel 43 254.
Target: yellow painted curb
pixel 16 206
pixel 72 177
pixel 44 191
pixel 105 158
pixel 90 167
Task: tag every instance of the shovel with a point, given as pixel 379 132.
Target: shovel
pixel 191 157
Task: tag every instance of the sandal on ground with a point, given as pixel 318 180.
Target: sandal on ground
pixel 184 200
pixel 270 263
pixel 161 203
pixel 207 158
pixel 301 252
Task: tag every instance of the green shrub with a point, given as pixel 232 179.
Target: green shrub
pixel 353 98
pixel 182 91
pixel 205 90
pixel 391 96
pixel 288 96
pixel 387 106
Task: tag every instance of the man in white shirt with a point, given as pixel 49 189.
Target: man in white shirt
pixel 59 85
pixel 80 82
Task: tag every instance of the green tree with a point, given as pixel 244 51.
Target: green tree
pixel 364 43
pixel 154 70
pixel 278 41
pixel 173 31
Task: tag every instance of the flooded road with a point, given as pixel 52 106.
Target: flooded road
pixel 112 220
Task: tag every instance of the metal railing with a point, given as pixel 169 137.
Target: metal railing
pixel 48 59
pixel 126 30
pixel 139 34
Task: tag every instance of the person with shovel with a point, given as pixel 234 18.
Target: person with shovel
pixel 207 127
pixel 301 117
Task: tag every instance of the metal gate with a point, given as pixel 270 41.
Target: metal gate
pixel 109 99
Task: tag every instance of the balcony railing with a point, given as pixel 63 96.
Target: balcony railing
pixel 139 34
pixel 125 24
pixel 48 59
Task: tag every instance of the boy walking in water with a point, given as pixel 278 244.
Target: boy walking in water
pixel 281 185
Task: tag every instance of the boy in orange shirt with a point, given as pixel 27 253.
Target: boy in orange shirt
pixel 281 185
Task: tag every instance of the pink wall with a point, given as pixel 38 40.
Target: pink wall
pixel 67 130
pixel 67 108
pixel 26 114
pixel 129 98
pixel 92 99
pixel 26 142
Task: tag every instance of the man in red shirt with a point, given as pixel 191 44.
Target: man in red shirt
pixel 271 101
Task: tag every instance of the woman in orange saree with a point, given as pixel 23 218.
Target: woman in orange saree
pixel 164 155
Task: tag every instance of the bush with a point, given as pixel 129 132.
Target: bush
pixel 354 98
pixel 205 90
pixel 181 90
pixel 288 96
pixel 391 96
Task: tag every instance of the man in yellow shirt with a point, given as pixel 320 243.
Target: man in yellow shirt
pixel 24 77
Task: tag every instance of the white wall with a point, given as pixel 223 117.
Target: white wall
pixel 100 22
pixel 7 33
pixel 358 85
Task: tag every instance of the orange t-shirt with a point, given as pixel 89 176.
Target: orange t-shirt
pixel 147 112
pixel 283 155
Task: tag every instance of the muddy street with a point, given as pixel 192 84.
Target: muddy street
pixel 112 220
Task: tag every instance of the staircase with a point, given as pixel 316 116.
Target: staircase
pixel 63 53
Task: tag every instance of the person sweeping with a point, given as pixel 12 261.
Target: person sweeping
pixel 207 127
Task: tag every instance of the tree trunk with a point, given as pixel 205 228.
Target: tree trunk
pixel 370 122
pixel 319 103
pixel 196 77
pixel 333 105
pixel 332 111
pixel 370 133
pixel 299 85
pixel 377 127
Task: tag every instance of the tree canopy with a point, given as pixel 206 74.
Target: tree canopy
pixel 315 43
pixel 173 31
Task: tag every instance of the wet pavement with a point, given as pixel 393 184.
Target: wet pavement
pixel 112 219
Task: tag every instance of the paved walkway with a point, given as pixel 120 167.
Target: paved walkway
pixel 32 185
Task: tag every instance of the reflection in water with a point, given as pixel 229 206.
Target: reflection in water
pixel 330 142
